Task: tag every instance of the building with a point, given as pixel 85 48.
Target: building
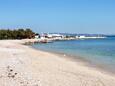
pixel 52 36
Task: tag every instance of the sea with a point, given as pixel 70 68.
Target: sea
pixel 97 52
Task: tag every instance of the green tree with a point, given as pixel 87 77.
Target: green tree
pixel 16 34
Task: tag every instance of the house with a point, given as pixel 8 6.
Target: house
pixel 52 36
pixel 37 36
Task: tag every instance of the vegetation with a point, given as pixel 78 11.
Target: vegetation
pixel 16 34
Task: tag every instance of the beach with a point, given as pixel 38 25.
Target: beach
pixel 22 65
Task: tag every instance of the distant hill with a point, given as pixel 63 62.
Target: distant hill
pixel 110 35
pixel 75 34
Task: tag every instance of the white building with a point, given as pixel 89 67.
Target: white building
pixel 52 36
pixel 88 37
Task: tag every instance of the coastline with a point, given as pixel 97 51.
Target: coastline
pixel 47 69
pixel 79 60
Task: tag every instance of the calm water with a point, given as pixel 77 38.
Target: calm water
pixel 97 51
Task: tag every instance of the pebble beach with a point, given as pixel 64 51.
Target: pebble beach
pixel 21 65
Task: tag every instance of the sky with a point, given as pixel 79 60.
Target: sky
pixel 70 16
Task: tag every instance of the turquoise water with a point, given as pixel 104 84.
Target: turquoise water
pixel 97 51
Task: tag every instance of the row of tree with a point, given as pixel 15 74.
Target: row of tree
pixel 16 34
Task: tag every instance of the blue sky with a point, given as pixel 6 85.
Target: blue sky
pixel 73 16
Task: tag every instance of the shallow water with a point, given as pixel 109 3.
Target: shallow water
pixel 97 51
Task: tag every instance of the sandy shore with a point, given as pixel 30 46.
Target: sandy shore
pixel 21 65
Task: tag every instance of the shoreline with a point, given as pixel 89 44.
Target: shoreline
pixel 78 59
pixel 41 68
